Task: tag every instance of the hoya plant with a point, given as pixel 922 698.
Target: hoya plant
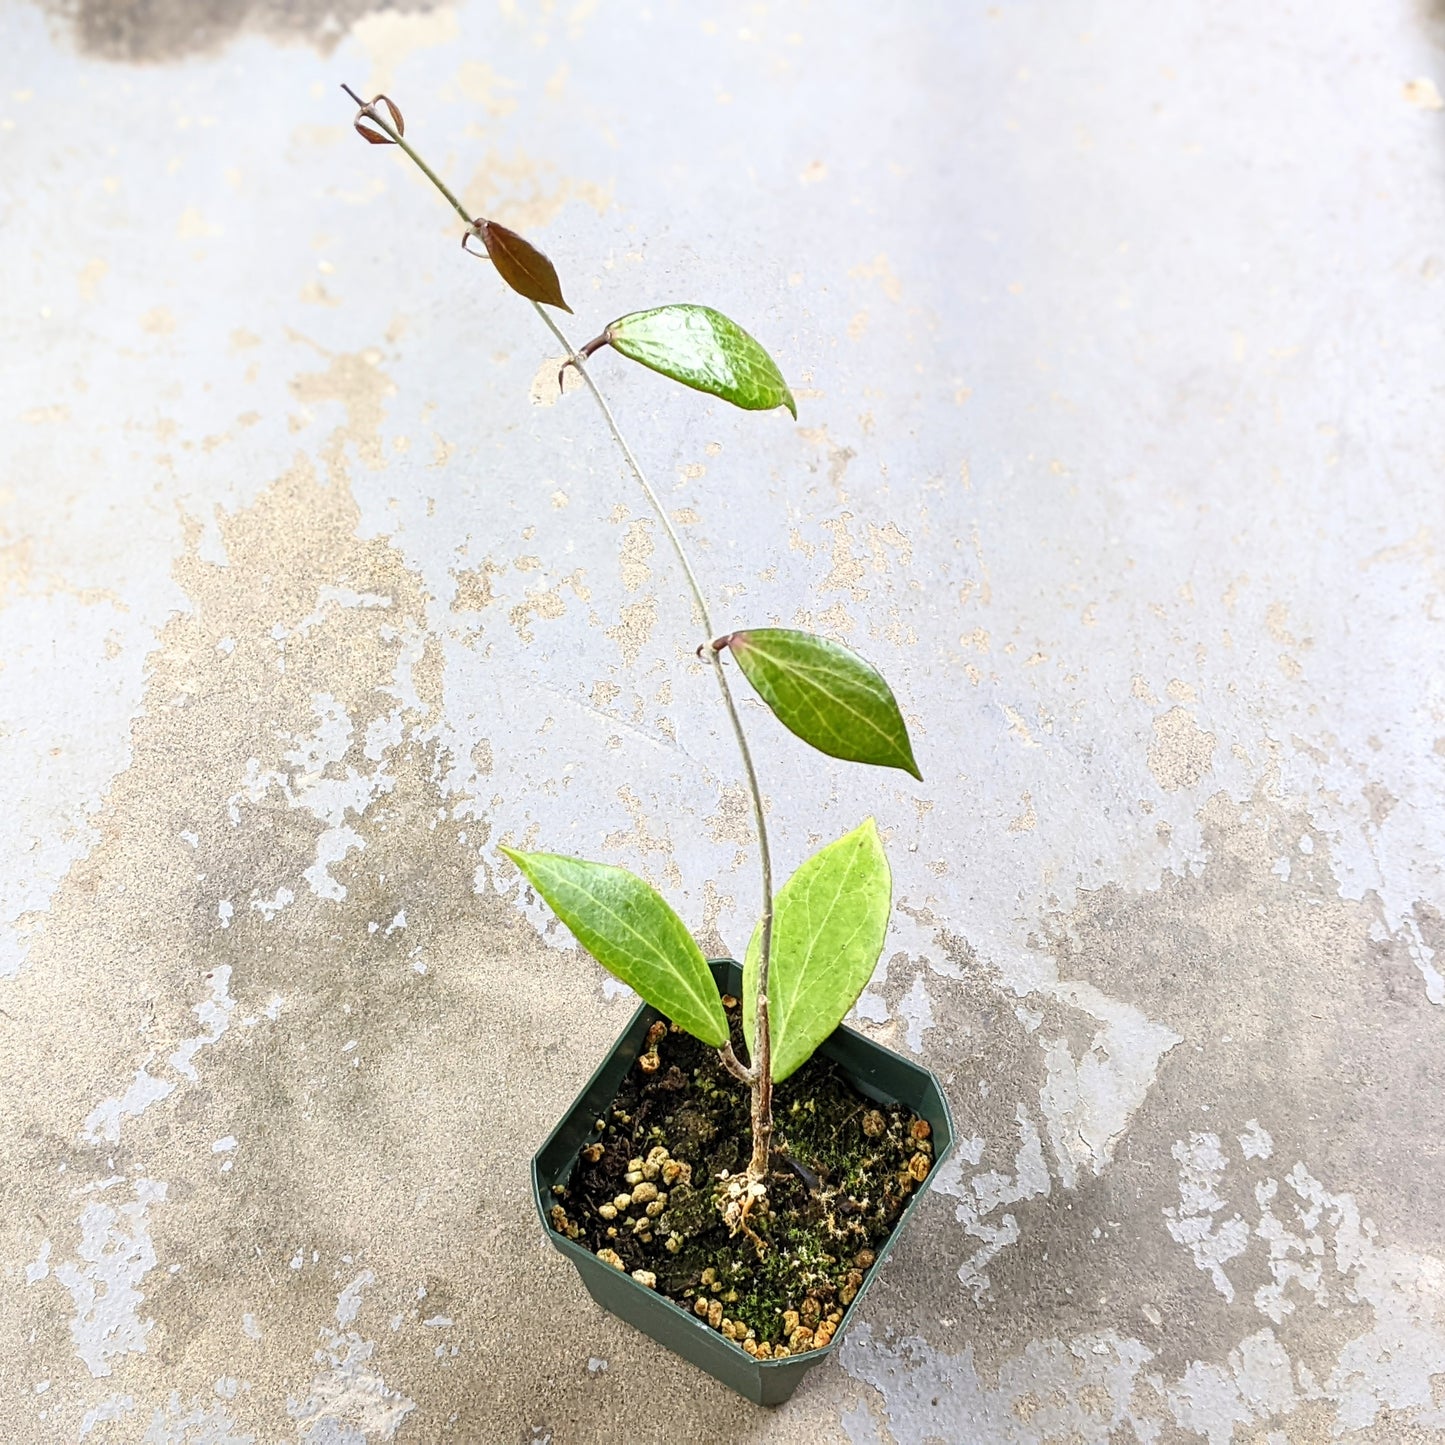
pixel 819 937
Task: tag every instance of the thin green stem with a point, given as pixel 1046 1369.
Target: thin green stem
pixel 760 1072
pixel 633 465
pixel 762 1033
pixel 382 123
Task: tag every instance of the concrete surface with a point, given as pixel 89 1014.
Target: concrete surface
pixel 1116 332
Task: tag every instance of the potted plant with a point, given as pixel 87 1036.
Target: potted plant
pixel 737 1167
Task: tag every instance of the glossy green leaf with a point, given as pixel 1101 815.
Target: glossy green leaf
pixel 829 922
pixel 827 695
pixel 702 349
pixel 627 926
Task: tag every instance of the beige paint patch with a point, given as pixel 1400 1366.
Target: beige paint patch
pixel 981 587
pixel 880 269
pixel 91 275
pixel 546 604
pixel 318 137
pixel 636 548
pixel 550 382
pixel 475 592
pixel 479 82
pixel 633 630
pixel 1028 819
pixel 900 632
pixel 525 193
pixel 885 539
pixel 714 904
pixel 314 293
pixel 1276 619
pixel 1423 93
pixel 389 36
pixel 1018 726
pixel 847 570
pixel 1181 752
pixel 835 621
pixel 358 383
pixel 142 876
pixel 643 836
pixel 732 822
pixel 193 226
pixel 1419 548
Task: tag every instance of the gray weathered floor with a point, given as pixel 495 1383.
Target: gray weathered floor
pixel 1117 336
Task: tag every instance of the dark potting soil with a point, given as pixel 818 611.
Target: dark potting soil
pixel 649 1191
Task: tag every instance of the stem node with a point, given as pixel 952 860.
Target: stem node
pixel 581 354
pixel 474 232
pixel 734 1066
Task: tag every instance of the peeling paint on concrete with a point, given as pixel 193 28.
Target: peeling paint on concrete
pixel 114 1256
pixel 1090 1100
pixel 305 606
pixel 1096 1384
pixel 1181 751
pixel 349 1403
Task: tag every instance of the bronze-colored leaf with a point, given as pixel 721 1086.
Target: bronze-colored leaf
pixel 374 136
pixel 396 119
pixel 522 266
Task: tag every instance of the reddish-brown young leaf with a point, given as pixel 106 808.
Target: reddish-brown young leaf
pixel 522 266
pixel 396 119
pixel 374 136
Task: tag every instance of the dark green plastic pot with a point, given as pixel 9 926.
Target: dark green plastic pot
pixel 873 1070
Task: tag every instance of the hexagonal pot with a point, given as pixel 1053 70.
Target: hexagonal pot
pixel 874 1071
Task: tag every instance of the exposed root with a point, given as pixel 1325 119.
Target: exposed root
pixel 737 1200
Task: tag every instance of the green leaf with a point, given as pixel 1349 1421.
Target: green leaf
pixel 702 349
pixel 522 266
pixel 827 695
pixel 627 926
pixel 829 922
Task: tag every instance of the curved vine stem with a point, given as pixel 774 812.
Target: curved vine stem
pixel 759 1074
pixel 761 1063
